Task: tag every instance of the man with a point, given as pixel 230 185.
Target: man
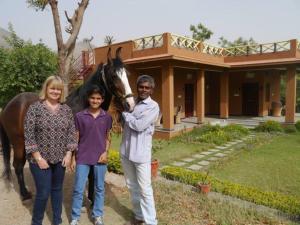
pixel 136 152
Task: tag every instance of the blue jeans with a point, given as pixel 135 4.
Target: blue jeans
pixel 138 180
pixel 81 176
pixel 47 182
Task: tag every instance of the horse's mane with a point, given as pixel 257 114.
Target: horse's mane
pixel 77 99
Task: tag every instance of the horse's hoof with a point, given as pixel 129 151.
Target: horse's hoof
pixel 27 202
pixel 26 197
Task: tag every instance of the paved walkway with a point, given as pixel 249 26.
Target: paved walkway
pixel 203 160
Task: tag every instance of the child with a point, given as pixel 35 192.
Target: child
pixel 93 125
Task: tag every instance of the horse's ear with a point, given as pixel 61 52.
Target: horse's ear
pixel 109 59
pixel 118 53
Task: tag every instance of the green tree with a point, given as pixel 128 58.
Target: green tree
pixel 24 67
pixel 64 49
pixel 200 32
pixel 238 42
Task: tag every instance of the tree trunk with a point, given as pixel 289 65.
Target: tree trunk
pixel 65 50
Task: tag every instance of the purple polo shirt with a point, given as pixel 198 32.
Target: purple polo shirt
pixel 92 136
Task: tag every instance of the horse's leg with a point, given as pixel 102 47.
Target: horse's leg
pixel 91 186
pixel 19 162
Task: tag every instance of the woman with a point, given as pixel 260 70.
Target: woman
pixel 93 125
pixel 50 138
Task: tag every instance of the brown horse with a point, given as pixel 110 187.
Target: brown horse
pixel 111 76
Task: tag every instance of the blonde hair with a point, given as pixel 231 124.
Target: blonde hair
pixel 53 81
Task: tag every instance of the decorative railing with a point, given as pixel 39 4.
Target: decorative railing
pixel 81 65
pixel 75 67
pixel 148 42
pixel 182 42
pixel 212 50
pixel 257 49
pixel 91 58
pixel 185 42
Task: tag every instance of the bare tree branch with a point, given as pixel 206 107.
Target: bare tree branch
pixel 76 22
pixel 68 18
pixel 64 49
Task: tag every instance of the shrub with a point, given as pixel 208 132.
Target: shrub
pixel 214 134
pixel 285 203
pixel 236 129
pixel 114 163
pixel 297 125
pixel 290 129
pixel 269 126
pixel 216 137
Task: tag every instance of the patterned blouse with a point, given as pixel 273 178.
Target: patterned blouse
pixel 50 133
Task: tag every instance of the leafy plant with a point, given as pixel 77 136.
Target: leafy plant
pixel 205 179
pixel 214 134
pixel 114 163
pixel 297 125
pixel 24 67
pixel 290 129
pixel 269 126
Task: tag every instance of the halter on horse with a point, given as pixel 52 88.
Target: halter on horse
pixel 112 77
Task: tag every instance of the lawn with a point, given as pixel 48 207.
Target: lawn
pixel 271 166
pixel 167 151
pixel 270 162
pixel 190 143
pixel 177 204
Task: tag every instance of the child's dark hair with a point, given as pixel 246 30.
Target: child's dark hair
pixel 94 89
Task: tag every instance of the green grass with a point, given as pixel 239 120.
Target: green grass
pixel 272 166
pixel 269 162
pixel 177 204
pixel 167 151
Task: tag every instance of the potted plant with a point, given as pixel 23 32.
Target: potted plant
pixel 154 168
pixel 276 108
pixel 157 145
pixel 204 184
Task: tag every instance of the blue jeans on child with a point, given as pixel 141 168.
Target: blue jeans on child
pixel 81 176
pixel 47 182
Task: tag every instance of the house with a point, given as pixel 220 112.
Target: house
pixel 201 79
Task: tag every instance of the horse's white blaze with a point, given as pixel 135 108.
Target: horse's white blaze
pixel 123 76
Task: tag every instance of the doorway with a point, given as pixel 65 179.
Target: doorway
pixel 250 99
pixel 189 100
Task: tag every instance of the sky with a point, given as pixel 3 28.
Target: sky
pixel 264 20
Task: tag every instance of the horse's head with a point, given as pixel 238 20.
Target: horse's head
pixel 115 78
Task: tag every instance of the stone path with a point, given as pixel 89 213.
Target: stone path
pixel 202 160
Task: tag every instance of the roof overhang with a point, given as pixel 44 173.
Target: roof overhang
pixel 163 57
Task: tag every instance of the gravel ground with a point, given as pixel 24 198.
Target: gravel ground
pixel 14 212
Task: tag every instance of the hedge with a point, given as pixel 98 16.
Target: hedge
pixel 285 203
